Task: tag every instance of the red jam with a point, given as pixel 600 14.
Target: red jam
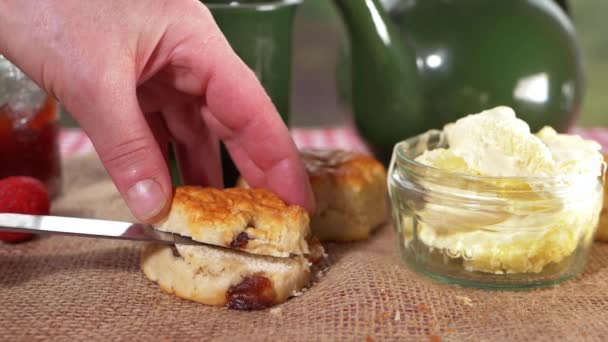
pixel 31 148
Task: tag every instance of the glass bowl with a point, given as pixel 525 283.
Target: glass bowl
pixel 490 232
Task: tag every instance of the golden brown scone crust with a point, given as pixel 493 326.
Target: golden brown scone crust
pixel 602 229
pixel 252 220
pixel 350 192
pixel 221 277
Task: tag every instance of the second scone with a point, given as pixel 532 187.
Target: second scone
pixel 602 229
pixel 350 193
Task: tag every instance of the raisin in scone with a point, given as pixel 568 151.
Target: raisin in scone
pixel 350 192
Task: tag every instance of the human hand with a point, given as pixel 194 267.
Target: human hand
pixel 138 74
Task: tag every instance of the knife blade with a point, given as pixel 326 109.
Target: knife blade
pixel 91 228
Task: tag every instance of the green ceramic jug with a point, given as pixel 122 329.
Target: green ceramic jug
pixel 417 65
pixel 260 33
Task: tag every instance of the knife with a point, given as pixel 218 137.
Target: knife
pixel 91 228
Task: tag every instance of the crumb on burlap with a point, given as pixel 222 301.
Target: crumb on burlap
pixel 466 300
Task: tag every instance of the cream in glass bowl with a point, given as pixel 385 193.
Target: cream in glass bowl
pixel 487 203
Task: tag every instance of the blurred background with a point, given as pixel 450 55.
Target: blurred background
pixel 590 20
pixel 319 32
pixel 318 35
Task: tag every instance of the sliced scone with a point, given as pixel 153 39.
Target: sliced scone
pixel 350 192
pixel 222 277
pixel 262 255
pixel 257 222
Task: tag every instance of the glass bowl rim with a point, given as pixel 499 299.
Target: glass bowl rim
pixel 399 159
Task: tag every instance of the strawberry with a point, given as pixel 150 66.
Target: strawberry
pixel 22 195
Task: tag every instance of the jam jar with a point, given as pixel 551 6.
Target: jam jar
pixel 491 232
pixel 29 129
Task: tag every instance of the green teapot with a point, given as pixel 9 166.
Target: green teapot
pixel 417 65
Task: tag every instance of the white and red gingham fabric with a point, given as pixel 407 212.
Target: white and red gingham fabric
pixel 74 142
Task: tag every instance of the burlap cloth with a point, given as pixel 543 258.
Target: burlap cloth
pixel 59 288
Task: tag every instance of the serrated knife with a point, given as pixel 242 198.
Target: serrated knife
pixel 91 228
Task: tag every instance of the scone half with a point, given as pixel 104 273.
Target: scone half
pixel 252 220
pixel 220 277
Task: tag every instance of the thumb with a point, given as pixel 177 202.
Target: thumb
pixel 108 111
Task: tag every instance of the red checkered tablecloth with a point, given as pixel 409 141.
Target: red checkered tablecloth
pixel 74 142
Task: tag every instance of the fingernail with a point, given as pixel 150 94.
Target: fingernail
pixel 146 199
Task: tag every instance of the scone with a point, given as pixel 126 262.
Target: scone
pixel 257 253
pixel 350 191
pixel 602 229
pixel 257 222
